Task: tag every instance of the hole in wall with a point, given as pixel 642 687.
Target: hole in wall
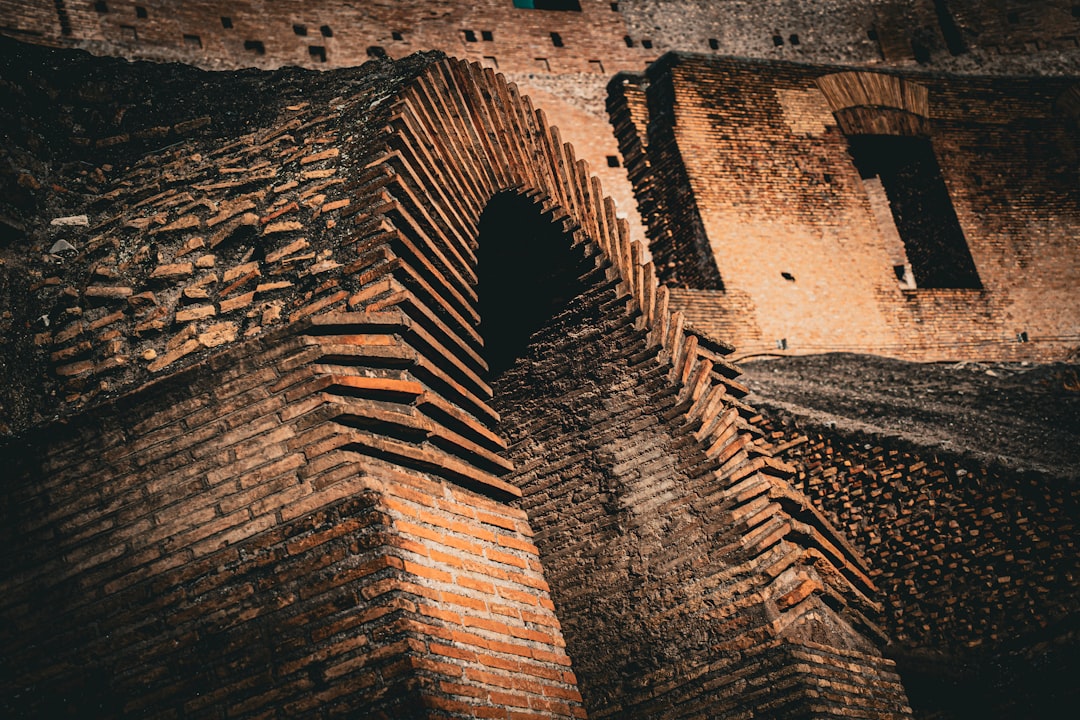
pixel 101 7
pixel 255 46
pixel 397 36
pixel 193 42
pixel 613 161
pixel 487 35
pixel 871 34
pixel 140 12
pixel 787 276
pixel 793 39
pixel 596 66
pixel 615 7
pixel 300 30
pixel 573 5
pixel 226 22
pixel 628 40
pixel 325 31
pixel 556 39
pixel 128 32
pixel 470 35
pixel 317 52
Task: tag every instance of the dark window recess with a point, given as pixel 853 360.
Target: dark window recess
pixel 377 51
pixel 788 276
pixel 920 52
pixel 396 36
pixel 954 39
pixel 140 11
pixel 325 31
pixel 573 5
pixel 1022 336
pixel 628 40
pixel 647 44
pixel 556 40
pixel 317 52
pixel 781 344
pixel 193 41
pixel 900 271
pixel 615 7
pixel 613 161
pixel 487 35
pixel 226 22
pixel 793 39
pixel 871 34
pixel 101 7
pixel 300 30
pixel 470 36
pixel 255 46
pixel 63 17
pixel 1013 18
pixel 714 44
pixel 921 208
pixel 777 40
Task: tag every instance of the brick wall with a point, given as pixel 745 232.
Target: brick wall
pixel 312 512
pixel 754 160
pixel 976 563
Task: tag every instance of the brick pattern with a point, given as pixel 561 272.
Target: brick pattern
pixel 769 234
pixel 976 562
pixel 370 388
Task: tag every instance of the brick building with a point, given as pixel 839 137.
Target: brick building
pixel 353 394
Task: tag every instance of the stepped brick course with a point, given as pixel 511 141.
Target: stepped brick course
pixel 280 483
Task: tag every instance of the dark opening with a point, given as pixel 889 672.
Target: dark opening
pixel 101 7
pixel 628 40
pixel 793 39
pixel 140 11
pixel 470 36
pixel 63 17
pixel 129 33
pixel 714 44
pixel 1022 336
pixel 613 161
pixel 556 40
pixel 954 39
pixel 376 51
pixel 647 44
pixel 255 46
pixel 920 52
pixel 777 40
pixel 528 272
pixel 396 36
pixel 615 7
pixel 326 31
pixel 871 34
pixel 921 208
pixel 573 5
pixel 899 271
pixel 300 30
pixel 193 41
pixel 487 35
pixel 226 22
pixel 788 276
pixel 317 52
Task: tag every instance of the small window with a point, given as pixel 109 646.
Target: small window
pixel 793 39
pixel 255 46
pixel 101 7
pixel 714 44
pixel 788 276
pixel 871 34
pixel 573 5
pixel 325 31
pixel 376 51
pixel 1022 337
pixel 193 42
pixel 613 161
pixel 317 53
pixel 470 35
pixel 647 44
pixel 226 22
pixel 397 36
pixel 615 7
pixel 140 12
pixel 487 35
pixel 777 40
pixel 628 40
pixel 300 30
pixel 556 40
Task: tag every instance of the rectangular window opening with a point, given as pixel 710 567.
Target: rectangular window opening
pixel 140 12
pixel 613 161
pixel 491 62
pixel 487 35
pixel 193 41
pixel 255 46
pixel 556 39
pixel 317 52
pixel 543 64
pixel 299 29
pixel 914 211
pixel 325 31
pixel 470 35
pixel 571 5
pixel 647 44
pixel 101 7
pixel 397 36
pixel 714 44
pixel 226 22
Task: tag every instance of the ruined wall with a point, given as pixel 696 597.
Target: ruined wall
pixel 805 263
pixel 353 207
pixel 977 563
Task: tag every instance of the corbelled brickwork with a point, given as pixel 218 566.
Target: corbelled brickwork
pixel 282 485
pixel 977 562
pixel 767 189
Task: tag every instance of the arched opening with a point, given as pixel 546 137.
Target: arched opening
pixel 528 271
